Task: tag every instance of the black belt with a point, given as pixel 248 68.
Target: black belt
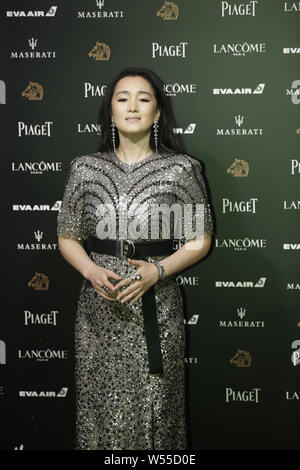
pixel 129 249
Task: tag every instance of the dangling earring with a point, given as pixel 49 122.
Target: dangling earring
pixel 113 133
pixel 155 127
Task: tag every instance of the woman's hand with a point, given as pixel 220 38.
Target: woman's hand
pixel 137 288
pixel 98 277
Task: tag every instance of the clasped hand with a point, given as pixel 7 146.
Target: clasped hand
pixel 136 288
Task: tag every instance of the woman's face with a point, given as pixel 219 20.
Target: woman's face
pixel 134 106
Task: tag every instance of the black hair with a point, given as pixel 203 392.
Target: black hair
pixel 168 141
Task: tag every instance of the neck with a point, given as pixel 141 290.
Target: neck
pixel 129 151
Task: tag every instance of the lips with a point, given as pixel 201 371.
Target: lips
pixel 132 119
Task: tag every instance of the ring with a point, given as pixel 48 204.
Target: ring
pixel 105 287
pixel 136 276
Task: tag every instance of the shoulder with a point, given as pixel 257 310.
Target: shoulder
pixel 83 160
pixel 186 162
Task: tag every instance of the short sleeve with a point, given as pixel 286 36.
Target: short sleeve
pixel 192 195
pixel 70 219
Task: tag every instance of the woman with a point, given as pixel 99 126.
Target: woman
pixel 129 333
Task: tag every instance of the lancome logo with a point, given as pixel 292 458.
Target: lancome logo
pixel 291 205
pixel 89 128
pixel 240 49
pixel 42 355
pixel 36 168
pixel 178 89
pixel 291 6
pixel 187 280
pixel 241 244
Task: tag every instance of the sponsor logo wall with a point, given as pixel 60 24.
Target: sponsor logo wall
pixel 236 98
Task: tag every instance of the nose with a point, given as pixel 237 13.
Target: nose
pixel 132 105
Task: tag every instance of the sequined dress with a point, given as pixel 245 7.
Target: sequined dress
pixel 119 405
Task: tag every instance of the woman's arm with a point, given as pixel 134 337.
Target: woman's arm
pixel 74 253
pixel 189 254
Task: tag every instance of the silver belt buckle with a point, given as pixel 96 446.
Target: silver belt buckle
pixel 129 250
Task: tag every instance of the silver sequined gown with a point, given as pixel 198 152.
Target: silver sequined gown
pixel 119 405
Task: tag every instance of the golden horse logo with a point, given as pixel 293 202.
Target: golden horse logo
pixel 39 282
pixel 241 359
pixel 100 51
pixel 169 11
pixel 33 91
pixel 239 168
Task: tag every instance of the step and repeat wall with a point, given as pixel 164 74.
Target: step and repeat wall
pixel 232 71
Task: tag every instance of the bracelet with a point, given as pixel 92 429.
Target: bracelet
pixel 161 270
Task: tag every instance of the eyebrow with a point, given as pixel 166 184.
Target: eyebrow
pixel 140 91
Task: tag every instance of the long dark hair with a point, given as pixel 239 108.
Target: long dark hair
pixel 167 140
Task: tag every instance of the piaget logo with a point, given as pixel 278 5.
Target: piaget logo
pixel 242 395
pixel 169 11
pixel 33 91
pixel 239 9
